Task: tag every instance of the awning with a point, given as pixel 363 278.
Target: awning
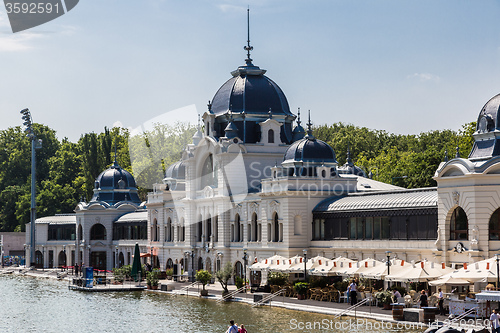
pixel 489 295
pixel 145 255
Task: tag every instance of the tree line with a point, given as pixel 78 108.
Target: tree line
pixel 66 171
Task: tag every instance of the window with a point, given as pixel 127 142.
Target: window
pixel 62 232
pixel 270 136
pixel 237 228
pixel 297 224
pixel 207 172
pixel 98 232
pixel 494 225
pixel 459 225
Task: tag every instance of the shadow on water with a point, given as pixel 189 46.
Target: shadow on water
pixel 40 305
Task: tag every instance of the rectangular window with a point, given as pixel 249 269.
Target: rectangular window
pixel 368 228
pixel 376 228
pixel 359 227
pixel 322 225
pixel 352 227
pixel 385 228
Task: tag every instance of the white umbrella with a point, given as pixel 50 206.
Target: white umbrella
pixel 267 264
pixel 449 280
pixel 421 272
pixel 320 265
pixel 338 265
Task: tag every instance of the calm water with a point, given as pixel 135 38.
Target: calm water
pixel 39 305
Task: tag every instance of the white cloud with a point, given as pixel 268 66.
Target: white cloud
pixel 423 77
pixel 231 8
pixel 117 124
pixel 17 42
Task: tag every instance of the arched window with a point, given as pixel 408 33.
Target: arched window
pixel 154 234
pixel 238 270
pixel 237 228
pixel 80 232
pixel 297 224
pixel 276 228
pixel 168 229
pixel 254 227
pixel 98 232
pixel 270 136
pixel 200 263
pixel 459 225
pixel 170 263
pixel 494 226
pixel 207 172
pixel 216 229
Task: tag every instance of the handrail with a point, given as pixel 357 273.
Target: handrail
pixel 269 297
pixel 465 314
pixel 231 294
pixel 186 288
pixel 352 307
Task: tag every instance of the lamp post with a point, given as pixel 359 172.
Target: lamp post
pixel 43 257
pixel 90 262
pixel 497 256
pixel 64 250
pixel 305 264
pixel 117 265
pixel 192 264
pixel 26 116
pixel 1 248
pixel 245 262
pixel 388 263
pixel 151 257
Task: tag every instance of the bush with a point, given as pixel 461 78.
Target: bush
pixel 301 288
pixel 277 278
pixel 238 282
pixel 224 275
pixel 153 277
pixel 384 297
pixel 169 271
pixel 123 273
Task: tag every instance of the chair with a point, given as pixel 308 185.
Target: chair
pixel 343 297
pixel 370 299
pixel 408 302
pixel 401 300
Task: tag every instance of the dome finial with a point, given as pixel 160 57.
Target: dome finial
pixel 309 127
pixel 446 155
pixel 248 48
pixel 298 117
pixel 348 159
pixel 457 155
pixel 209 105
pixel 270 113
pixel 115 163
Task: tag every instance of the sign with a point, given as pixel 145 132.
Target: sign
pixel 89 277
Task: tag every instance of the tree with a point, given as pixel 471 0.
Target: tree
pixel 224 275
pixel 204 277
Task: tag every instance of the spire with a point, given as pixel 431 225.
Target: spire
pixel 209 105
pixel 446 155
pixel 198 135
pixel 270 113
pixel 248 47
pixel 298 117
pixel 298 131
pixel 457 155
pixel 348 158
pixel 309 127
pixel 115 163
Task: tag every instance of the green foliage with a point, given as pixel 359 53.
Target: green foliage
pixel 301 287
pixel 203 276
pixel 401 290
pixel 123 273
pixel 224 275
pixel 277 278
pixel 169 272
pixel 239 282
pixel 384 297
pixel 153 277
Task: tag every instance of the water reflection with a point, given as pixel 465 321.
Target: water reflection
pixel 34 305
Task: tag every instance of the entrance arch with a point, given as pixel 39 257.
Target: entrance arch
pixel 61 259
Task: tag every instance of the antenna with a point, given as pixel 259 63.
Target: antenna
pixel 248 48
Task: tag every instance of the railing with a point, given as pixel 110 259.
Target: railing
pixel 269 297
pixel 465 314
pixel 186 288
pixel 352 307
pixel 231 294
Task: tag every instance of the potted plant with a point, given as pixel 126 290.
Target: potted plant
pixel 223 277
pixel 153 278
pixel 169 272
pixel 384 297
pixel 301 289
pixel 203 277
pixel 277 279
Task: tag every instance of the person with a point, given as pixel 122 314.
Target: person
pixel 353 290
pixel 495 323
pixel 76 269
pixel 396 295
pixel 423 299
pixel 242 329
pixel 233 328
pixel 440 301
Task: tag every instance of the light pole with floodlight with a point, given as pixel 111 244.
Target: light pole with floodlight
pixel 245 262
pixel 305 264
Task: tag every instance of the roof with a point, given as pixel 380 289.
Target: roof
pixel 390 200
pixel 58 219
pixel 138 216
pixel 309 150
pixel 369 185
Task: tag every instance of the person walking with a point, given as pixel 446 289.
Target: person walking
pixel 441 301
pixel 353 291
pixel 494 322
pixel 233 328
pixel 242 329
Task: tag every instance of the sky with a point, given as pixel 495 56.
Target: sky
pixel 401 66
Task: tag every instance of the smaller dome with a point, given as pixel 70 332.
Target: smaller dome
pixel 309 150
pixel 349 168
pixel 176 171
pixel 114 185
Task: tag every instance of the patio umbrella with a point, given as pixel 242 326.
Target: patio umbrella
pixel 481 271
pixel 136 271
pixel 320 265
pixel 338 265
pixel 449 280
pixel 379 270
pixel 297 265
pixel 421 272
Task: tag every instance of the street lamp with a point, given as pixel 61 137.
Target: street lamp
pixel 497 256
pixel 43 257
pixel 388 263
pixel 151 257
pixel 64 250
pixel 90 262
pixel 35 144
pixel 116 262
pixel 192 264
pixel 245 262
pixel 305 264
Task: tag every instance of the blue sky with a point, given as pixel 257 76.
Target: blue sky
pixel 401 66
